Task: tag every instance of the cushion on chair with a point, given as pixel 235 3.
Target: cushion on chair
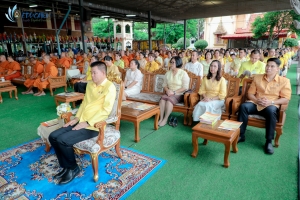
pixel 158 82
pixel 113 114
pixel 147 97
pixel 111 136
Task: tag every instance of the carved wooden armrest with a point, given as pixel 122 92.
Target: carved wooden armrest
pixel 282 109
pixel 66 116
pixel 228 104
pixel 194 99
pixel 186 99
pixel 236 102
pixel 101 126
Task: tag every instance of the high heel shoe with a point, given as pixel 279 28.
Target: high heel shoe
pixel 171 121
pixel 175 122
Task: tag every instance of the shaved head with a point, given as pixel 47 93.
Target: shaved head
pixel 2 58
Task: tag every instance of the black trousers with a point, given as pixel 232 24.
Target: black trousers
pixel 63 139
pixel 270 113
pixel 80 87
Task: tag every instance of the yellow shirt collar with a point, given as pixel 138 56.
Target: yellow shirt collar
pixel 102 84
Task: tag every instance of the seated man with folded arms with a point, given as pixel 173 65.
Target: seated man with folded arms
pixel 38 69
pixel 265 94
pixel 80 86
pixel 49 71
pixel 14 69
pixel 96 106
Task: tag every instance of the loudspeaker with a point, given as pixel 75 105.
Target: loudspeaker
pixel 69 31
pixel 153 23
pixel 87 26
pixel 86 14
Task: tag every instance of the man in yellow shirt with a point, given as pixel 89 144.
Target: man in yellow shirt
pixel 266 93
pixel 96 106
pixel 271 54
pixel 237 62
pixel 151 66
pixel 253 66
pixel 80 86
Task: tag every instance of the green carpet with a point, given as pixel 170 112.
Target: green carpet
pixel 251 175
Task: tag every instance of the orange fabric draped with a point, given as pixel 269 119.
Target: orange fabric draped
pixel 37 70
pixel 53 59
pixel 64 62
pixel 4 66
pixel 79 58
pixel 126 61
pixel 50 70
pixel 13 66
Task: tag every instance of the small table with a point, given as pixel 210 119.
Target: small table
pixel 71 97
pixel 4 83
pixel 209 132
pixel 128 113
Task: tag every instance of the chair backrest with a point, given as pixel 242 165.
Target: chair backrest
pixel 233 85
pixel 116 110
pixel 152 81
pixel 123 72
pixel 246 85
pixel 195 81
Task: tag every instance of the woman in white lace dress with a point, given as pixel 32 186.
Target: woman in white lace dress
pixel 133 80
pixel 212 92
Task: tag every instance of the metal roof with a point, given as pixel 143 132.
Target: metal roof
pixel 162 10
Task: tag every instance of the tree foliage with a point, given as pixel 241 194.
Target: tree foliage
pixel 271 24
pixel 103 27
pixel 140 31
pixel 291 42
pixel 179 43
pixel 201 44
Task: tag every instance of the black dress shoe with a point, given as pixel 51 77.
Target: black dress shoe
pixel 171 121
pixel 269 148
pixel 60 174
pixel 241 139
pixel 69 175
pixel 175 122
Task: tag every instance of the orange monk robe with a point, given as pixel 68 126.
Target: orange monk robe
pixel 130 57
pixel 64 62
pixel 80 60
pixel 50 71
pixel 53 59
pixel 13 66
pixel 37 70
pixel 126 61
pixel 4 66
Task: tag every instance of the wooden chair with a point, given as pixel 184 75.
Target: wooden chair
pixel 26 70
pixel 59 81
pixel 232 91
pixel 109 136
pixel 123 73
pixel 257 120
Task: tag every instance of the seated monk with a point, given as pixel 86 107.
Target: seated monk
pixel 53 58
pixel 64 61
pixel 49 71
pixel 3 64
pixel 37 71
pixel 79 62
pixel 69 58
pixel 125 59
pixel 14 69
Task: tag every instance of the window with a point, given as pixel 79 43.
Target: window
pixel 127 29
pixel 118 28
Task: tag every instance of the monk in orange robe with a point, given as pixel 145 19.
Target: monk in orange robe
pixel 69 58
pixel 49 71
pixel 125 59
pixel 38 69
pixel 64 61
pixel 79 61
pixel 14 69
pixel 53 58
pixel 3 65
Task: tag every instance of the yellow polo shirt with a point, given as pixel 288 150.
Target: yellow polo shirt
pixel 257 68
pixel 119 63
pixel 279 87
pixel 151 66
pixel 213 89
pixel 97 103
